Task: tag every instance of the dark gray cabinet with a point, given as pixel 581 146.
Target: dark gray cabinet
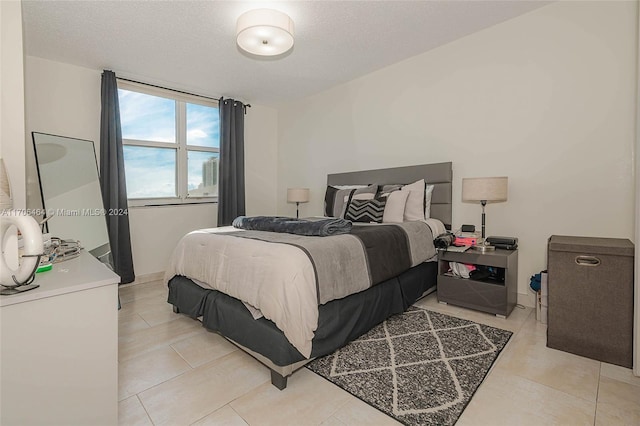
pixel 591 297
pixel 497 297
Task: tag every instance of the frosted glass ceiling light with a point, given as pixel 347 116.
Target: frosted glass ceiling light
pixel 264 32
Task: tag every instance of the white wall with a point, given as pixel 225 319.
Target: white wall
pixel 12 98
pixel 155 231
pixel 547 99
pixel 261 160
pixel 64 99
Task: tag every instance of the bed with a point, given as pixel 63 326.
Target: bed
pixel 336 319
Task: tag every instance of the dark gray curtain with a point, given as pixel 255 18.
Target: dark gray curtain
pixel 112 181
pixel 231 170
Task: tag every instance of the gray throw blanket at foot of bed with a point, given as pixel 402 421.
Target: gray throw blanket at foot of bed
pixel 308 227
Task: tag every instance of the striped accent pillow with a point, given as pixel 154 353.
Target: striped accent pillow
pixel 366 210
pixel 337 198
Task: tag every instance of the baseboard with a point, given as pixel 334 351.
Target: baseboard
pixel 146 278
pixel 527 299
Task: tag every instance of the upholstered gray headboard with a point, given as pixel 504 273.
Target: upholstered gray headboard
pixel 439 174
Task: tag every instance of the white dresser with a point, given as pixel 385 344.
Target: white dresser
pixel 59 348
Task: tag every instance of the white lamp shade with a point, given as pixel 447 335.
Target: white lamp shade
pixel 265 32
pixel 298 195
pixel 484 189
pixel 5 188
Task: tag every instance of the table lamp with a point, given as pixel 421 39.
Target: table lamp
pixel 484 189
pixel 297 195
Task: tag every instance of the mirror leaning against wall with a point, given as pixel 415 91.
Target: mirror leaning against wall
pixel 70 190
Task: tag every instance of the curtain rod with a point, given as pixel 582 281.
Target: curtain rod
pixel 173 90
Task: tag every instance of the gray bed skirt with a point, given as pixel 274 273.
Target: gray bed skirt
pixel 340 321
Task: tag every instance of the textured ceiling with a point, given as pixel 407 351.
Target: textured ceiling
pixel 190 45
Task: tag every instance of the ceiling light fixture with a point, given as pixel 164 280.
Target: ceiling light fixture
pixel 264 32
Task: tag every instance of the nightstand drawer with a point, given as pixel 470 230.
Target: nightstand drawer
pixel 497 258
pixel 473 294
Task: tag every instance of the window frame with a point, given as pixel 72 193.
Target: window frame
pixel 180 146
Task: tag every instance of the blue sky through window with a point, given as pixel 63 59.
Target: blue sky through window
pixel 147 118
pixel 203 127
pixel 151 171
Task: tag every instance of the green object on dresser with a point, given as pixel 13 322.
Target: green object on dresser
pixel 44 267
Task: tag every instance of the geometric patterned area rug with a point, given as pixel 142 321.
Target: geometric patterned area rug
pixel 419 367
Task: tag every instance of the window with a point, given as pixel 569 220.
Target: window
pixel 171 145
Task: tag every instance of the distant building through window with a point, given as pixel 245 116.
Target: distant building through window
pixel 171 145
pixel 210 173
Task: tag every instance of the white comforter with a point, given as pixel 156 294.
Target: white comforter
pixel 280 281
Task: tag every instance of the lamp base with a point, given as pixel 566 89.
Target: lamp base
pixel 15 290
pixel 483 248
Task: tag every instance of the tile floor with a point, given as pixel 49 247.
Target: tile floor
pixel 173 372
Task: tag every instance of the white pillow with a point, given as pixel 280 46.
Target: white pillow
pixel 362 196
pixel 414 209
pixel 395 207
pixel 349 186
pixel 428 193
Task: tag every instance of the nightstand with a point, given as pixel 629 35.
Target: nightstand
pixel 495 296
